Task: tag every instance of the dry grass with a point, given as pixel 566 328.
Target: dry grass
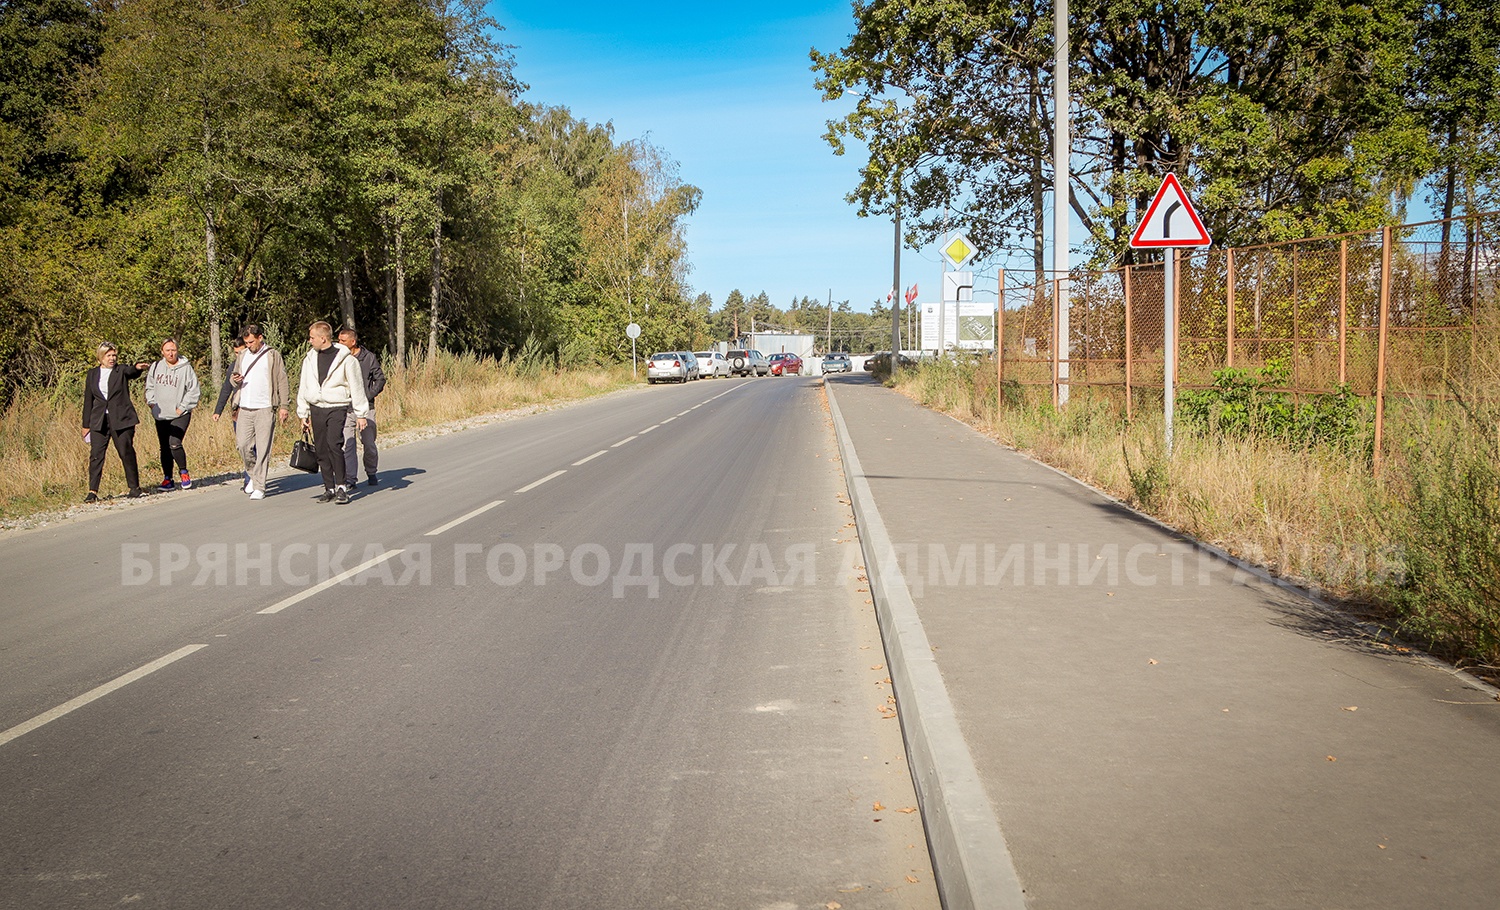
pixel 1411 547
pixel 44 461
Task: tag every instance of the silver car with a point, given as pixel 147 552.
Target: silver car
pixel 671 366
pixel 747 363
pixel 836 363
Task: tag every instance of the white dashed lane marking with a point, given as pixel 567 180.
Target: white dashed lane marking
pixel 463 518
pixel 118 682
pixel 325 585
pixel 536 483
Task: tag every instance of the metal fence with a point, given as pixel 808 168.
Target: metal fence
pixel 1397 312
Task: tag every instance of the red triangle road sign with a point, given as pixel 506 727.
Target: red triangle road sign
pixel 1170 220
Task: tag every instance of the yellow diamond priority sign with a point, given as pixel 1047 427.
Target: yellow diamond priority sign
pixel 958 251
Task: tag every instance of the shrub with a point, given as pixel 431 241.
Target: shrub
pixel 1243 403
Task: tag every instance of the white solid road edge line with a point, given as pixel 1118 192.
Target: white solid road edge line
pixel 972 862
pixel 463 518
pixel 536 483
pixel 325 585
pixel 118 682
pixel 590 458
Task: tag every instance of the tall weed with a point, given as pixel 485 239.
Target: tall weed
pixel 1446 519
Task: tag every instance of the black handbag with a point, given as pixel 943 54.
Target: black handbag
pixel 304 456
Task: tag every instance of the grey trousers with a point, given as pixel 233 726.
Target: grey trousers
pixel 366 439
pixel 252 433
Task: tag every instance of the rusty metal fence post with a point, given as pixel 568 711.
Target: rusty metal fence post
pixel 1380 358
pixel 1343 312
pixel 1229 316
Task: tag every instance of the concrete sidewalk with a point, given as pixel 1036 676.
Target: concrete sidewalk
pixel 1151 726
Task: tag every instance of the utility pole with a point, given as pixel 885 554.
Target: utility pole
pixel 830 322
pixel 896 297
pixel 1061 144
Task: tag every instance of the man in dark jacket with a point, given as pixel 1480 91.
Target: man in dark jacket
pixel 369 365
pixel 109 415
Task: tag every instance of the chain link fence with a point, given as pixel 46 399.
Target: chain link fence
pixel 1397 313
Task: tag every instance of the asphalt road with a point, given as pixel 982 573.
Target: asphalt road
pixel 554 684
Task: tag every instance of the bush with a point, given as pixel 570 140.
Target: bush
pixel 1245 403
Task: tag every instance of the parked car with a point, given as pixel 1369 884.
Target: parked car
pixel 712 364
pixel 785 363
pixel 695 371
pixel 880 362
pixel 671 366
pixel 747 363
pixel 836 362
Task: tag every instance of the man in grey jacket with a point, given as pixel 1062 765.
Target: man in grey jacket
pixel 369 365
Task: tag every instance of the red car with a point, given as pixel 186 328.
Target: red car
pixel 782 364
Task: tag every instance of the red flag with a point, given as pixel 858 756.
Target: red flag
pixel 911 294
pixel 889 294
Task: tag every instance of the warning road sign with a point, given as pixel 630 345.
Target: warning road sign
pixel 1170 220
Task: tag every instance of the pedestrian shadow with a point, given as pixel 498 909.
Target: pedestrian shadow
pixel 1294 605
pixel 291 483
pixel 397 479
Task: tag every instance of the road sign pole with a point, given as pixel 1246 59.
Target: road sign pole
pixel 632 332
pixel 1169 333
pixel 1158 231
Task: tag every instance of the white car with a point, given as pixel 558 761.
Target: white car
pixel 712 364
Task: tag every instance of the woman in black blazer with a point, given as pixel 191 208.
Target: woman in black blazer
pixel 108 414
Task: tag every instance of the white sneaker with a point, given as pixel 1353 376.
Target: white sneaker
pixel 249 485
pixel 258 494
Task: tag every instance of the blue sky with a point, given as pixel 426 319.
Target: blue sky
pixel 726 92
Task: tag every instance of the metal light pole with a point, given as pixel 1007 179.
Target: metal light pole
pixel 1061 143
pixel 896 298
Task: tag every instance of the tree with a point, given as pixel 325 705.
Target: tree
pixel 1285 121
pixel 1455 89
pixel 44 45
pixel 634 252
pixel 950 103
pixel 197 100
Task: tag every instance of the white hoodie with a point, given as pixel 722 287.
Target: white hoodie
pixel 344 387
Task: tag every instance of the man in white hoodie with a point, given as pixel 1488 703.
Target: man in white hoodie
pixel 330 386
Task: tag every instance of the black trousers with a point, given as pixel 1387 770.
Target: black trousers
pixel 328 439
pixel 124 441
pixel 169 435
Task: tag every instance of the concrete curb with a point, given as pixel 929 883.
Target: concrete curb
pixel 969 855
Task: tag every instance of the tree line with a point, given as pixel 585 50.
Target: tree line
pixel 181 167
pixel 1284 119
pixel 835 323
